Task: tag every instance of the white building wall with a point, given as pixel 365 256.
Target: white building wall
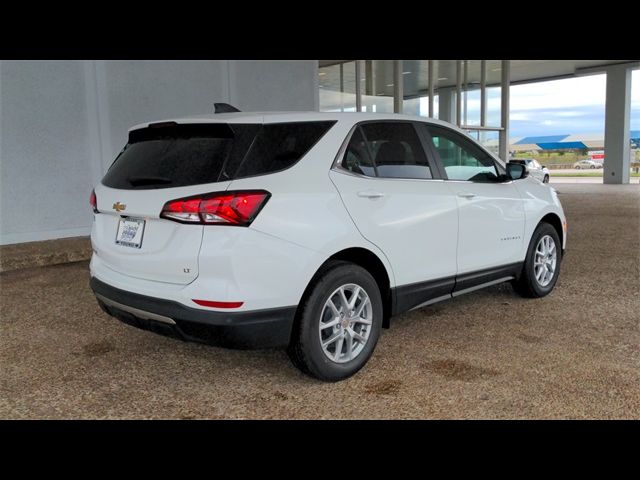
pixel 63 122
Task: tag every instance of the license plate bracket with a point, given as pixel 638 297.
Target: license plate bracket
pixel 130 232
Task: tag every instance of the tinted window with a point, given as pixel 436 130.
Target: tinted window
pixel 356 158
pixel 462 160
pixel 279 146
pixel 180 155
pixel 396 150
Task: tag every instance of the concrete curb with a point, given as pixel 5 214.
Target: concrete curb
pixel 39 254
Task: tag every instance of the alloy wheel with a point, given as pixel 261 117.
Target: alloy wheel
pixel 345 323
pixel 545 260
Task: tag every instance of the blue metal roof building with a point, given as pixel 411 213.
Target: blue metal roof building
pixel 559 142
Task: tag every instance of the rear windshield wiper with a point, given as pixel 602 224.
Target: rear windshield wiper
pixel 137 181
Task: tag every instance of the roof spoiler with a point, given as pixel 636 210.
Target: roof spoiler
pixel 224 108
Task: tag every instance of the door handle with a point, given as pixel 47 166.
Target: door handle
pixel 466 194
pixel 370 194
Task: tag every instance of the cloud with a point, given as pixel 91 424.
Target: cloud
pixel 569 106
pixel 557 121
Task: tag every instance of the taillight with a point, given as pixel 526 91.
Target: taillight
pixel 93 201
pixel 223 208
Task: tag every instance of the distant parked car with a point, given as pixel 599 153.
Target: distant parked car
pixel 587 164
pixel 534 168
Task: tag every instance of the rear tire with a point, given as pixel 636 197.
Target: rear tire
pixel 537 279
pixel 356 334
pixel 593 167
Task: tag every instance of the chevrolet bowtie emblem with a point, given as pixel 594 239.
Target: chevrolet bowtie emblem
pixel 118 207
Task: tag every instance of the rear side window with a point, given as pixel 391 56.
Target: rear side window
pixel 386 149
pixel 280 145
pixel 173 155
pixel 357 158
pixel 396 150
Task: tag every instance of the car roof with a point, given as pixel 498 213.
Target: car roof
pixel 281 117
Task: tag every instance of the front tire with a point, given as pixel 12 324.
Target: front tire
pixel 338 323
pixel 542 263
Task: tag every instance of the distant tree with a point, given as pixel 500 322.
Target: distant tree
pixel 561 153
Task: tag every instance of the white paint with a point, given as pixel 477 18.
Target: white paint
pixel 63 123
pixel 412 221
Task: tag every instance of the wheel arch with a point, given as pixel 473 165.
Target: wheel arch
pixel 554 220
pixel 371 263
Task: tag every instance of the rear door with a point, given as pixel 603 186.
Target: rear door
pixel 398 202
pixel 160 164
pixel 491 211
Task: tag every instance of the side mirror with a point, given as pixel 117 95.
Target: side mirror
pixel 516 171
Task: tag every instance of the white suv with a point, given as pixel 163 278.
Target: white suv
pixel 311 230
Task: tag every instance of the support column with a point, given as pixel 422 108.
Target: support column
pixel 432 88
pixel 617 150
pixel 504 111
pixel 358 87
pixel 446 104
pixel 458 92
pixel 368 76
pixel 483 93
pixel 398 86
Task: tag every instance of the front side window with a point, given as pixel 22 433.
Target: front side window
pixel 461 159
pixel 387 150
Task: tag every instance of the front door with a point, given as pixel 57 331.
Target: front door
pixel 491 211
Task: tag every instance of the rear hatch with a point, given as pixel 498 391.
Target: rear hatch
pixel 161 163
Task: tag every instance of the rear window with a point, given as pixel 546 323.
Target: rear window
pixel 172 155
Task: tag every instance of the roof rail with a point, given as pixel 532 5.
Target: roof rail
pixel 224 108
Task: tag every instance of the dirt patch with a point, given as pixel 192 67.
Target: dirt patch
pixel 388 387
pixel 95 349
pixel 458 370
pixel 529 338
pixel 281 396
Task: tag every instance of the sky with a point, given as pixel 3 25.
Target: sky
pixel 569 106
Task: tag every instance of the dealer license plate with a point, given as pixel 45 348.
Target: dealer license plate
pixel 130 232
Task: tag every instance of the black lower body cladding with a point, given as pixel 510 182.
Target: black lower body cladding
pixel 243 330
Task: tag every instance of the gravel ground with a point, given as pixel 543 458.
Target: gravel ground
pixel 490 354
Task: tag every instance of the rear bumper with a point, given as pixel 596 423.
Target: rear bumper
pixel 245 330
